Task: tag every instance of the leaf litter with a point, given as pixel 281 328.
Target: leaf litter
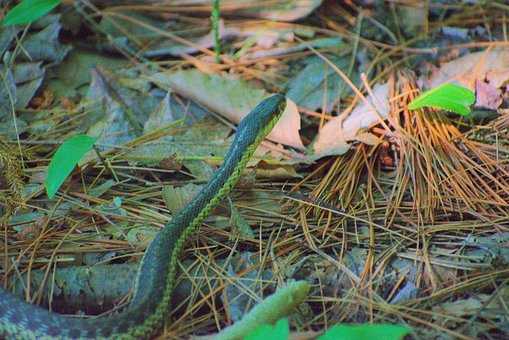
pixel 392 215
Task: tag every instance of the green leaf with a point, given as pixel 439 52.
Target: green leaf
pixel 450 97
pixel 366 332
pixel 279 331
pixel 29 10
pixel 64 161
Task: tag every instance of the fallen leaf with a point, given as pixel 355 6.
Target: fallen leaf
pixel 490 65
pixel 287 129
pixel 460 308
pixel 318 85
pixel 162 116
pixel 282 10
pixel 109 118
pixel 335 137
pixel 413 17
pixel 73 74
pixel 368 138
pixel 205 142
pixel 141 236
pixel 177 198
pixel 239 223
pixel 238 294
pixel 288 10
pixel 284 49
pixel 487 95
pixel 45 44
pixel 232 98
pixel 28 78
pixel 278 171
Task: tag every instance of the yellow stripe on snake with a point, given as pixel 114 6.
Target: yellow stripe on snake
pixel 148 310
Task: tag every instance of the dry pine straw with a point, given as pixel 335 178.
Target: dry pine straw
pixel 414 197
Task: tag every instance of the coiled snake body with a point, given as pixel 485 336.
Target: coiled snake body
pixel 158 268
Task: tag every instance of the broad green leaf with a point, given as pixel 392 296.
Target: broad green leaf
pixel 279 331
pixel 29 10
pixel 450 97
pixel 64 161
pixel 366 332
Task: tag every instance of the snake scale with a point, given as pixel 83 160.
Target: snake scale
pixel 148 309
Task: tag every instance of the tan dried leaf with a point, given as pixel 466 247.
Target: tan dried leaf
pixel 491 65
pixel 335 137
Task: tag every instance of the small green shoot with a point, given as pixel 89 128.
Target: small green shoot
pixel 215 17
pixel 64 160
pixel 450 97
pixel 279 331
pixel 29 10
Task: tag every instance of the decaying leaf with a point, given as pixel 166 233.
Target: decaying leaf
pixel 487 95
pixel 287 10
pixel 283 10
pixel 490 65
pixel 177 198
pixel 232 98
pixel 161 117
pixel 335 137
pixel 318 85
pixel 205 142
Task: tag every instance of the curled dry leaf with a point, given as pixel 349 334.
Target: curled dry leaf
pixel 287 129
pixel 335 137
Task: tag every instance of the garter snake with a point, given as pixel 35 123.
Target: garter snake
pixel 148 309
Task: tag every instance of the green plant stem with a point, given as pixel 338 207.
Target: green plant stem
pixel 215 16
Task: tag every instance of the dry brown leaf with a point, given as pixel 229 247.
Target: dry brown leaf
pixel 335 137
pixel 286 10
pixel 287 129
pixel 487 95
pixel 491 65
pixel 232 98
pixel 281 10
pixel 368 138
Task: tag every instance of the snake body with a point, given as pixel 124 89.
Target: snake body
pixel 156 277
